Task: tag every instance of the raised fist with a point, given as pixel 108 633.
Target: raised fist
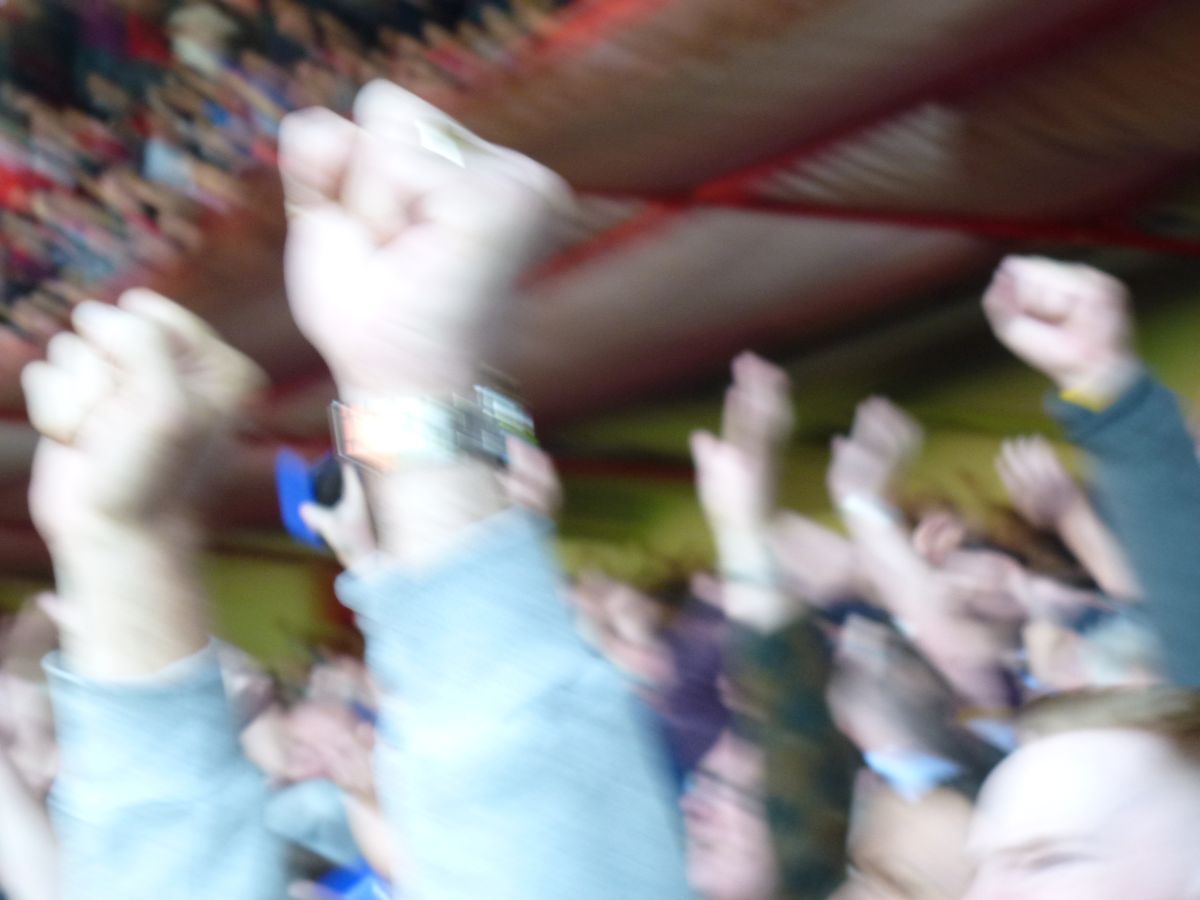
pixel 1069 321
pixel 407 234
pixel 128 405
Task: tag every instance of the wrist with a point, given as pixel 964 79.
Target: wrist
pixel 1099 386
pixel 450 376
pixel 745 552
pixel 133 595
pixel 739 530
pixel 387 434
pixel 91 531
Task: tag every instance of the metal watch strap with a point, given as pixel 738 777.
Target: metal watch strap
pixel 384 433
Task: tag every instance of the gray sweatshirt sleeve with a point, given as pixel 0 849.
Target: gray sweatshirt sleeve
pixel 154 798
pixel 514 764
pixel 1147 484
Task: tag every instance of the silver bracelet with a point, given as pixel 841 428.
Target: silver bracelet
pixel 384 433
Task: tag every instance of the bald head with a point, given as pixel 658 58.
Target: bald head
pixel 1092 814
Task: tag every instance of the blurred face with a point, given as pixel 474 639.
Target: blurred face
pixel 985 582
pixel 27 732
pixel 1094 815
pixel 728 840
pixel 910 851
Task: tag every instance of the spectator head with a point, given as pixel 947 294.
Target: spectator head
pixel 903 849
pixel 884 696
pixel 1102 800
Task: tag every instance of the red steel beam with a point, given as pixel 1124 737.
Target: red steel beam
pixel 980 73
pixel 1026 230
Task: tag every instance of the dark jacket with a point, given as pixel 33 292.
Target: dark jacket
pixel 1147 484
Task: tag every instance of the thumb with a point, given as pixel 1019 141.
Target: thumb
pixel 319 519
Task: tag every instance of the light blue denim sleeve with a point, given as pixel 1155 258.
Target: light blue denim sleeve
pixel 312 814
pixel 513 763
pixel 154 798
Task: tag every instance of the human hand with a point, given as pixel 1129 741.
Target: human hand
pixel 757 413
pixel 1068 321
pixel 531 481
pixel 736 474
pixel 327 740
pixel 128 405
pixel 882 441
pixel 818 564
pixel 406 237
pixel 938 534
pixel 1038 484
pixel 346 527
pixel 887 431
pixel 735 486
pixel 341 679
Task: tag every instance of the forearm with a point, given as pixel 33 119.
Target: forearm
pixel 752 592
pixel 894 570
pixel 961 647
pixel 28 850
pixel 373 837
pixel 421 511
pixel 133 594
pixel 1094 545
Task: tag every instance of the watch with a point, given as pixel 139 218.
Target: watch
pixel 382 434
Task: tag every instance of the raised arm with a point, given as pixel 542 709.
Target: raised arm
pixel 153 798
pixel 1047 496
pixel 864 465
pixel 777 656
pixel 1072 323
pixel 736 476
pixel 512 762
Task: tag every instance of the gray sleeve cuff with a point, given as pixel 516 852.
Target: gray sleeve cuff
pixel 165 738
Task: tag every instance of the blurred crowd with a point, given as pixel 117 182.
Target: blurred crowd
pixel 127 127
pixel 911 705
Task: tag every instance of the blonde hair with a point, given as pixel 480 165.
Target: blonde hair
pixel 1171 713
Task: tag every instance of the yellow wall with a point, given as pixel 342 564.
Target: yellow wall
pixel 643 529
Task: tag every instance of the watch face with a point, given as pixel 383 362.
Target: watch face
pixel 505 414
pixel 369 437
